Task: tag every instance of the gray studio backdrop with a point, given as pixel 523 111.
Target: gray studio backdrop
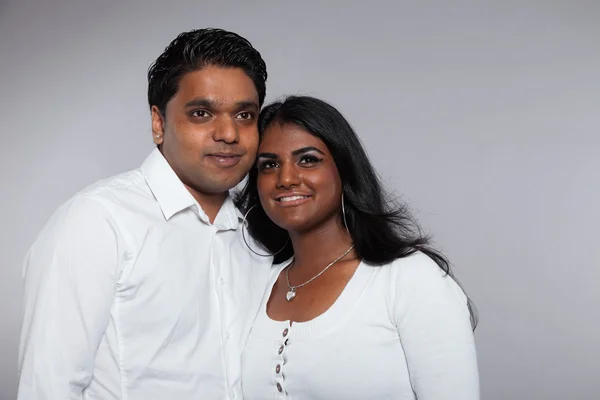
pixel 483 116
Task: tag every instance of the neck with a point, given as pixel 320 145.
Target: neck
pixel 315 249
pixel 210 203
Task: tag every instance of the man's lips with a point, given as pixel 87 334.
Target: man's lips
pixel 224 159
pixel 224 154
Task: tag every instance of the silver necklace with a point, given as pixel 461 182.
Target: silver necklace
pixel 292 289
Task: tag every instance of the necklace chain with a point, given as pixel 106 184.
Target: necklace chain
pixel 292 289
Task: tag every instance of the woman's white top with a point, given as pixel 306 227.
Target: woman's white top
pixel 398 331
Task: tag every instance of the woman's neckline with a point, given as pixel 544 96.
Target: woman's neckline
pixel 339 301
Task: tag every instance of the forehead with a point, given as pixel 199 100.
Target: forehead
pixel 285 138
pixel 221 85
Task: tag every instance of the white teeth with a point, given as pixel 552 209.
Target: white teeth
pixel 291 198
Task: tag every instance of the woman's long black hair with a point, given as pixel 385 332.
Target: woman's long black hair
pixel 381 230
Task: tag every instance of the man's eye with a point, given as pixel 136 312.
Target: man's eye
pixel 245 115
pixel 200 114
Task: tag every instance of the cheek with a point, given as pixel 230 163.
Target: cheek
pixel 329 186
pixel 249 140
pixel 188 136
pixel 328 181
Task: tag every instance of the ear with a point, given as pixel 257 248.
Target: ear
pixel 158 125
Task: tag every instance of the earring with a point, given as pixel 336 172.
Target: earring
pixel 344 213
pixel 157 136
pixel 245 224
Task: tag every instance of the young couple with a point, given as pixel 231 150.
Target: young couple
pixel 157 284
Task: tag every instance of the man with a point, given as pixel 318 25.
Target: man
pixel 140 286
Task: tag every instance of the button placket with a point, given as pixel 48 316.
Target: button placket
pixel 281 360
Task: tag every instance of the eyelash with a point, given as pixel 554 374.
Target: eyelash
pixel 265 165
pixel 308 160
pixel 249 114
pixel 193 113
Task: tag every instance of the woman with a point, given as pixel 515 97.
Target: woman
pixel 361 307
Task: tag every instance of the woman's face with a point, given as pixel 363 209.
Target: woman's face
pixel 298 182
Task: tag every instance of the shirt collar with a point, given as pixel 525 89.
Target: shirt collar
pixel 172 196
pixel 170 193
pixel 229 216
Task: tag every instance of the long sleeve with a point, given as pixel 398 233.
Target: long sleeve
pixel 434 327
pixel 70 276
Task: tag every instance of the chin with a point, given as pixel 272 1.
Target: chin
pixel 228 181
pixel 221 186
pixel 306 221
pixel 297 224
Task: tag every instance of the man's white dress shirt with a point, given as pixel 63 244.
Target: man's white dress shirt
pixel 132 294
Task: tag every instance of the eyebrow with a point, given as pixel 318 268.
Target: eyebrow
pixel 270 156
pixel 273 156
pixel 212 104
pixel 306 150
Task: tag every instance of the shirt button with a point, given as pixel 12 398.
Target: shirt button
pixel 222 281
pixel 281 349
pixel 285 332
pixel 279 388
pixel 278 369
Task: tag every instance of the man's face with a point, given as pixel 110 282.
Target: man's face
pixel 209 132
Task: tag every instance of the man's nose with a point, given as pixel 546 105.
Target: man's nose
pixel 226 131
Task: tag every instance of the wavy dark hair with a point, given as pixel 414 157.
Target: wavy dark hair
pixel 194 50
pixel 382 230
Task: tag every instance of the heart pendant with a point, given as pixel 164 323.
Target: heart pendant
pixel 290 295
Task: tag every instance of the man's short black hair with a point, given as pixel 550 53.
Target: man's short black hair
pixel 199 48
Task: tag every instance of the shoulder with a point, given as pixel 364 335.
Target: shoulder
pixel 417 267
pixel 115 188
pixel 418 276
pixel 93 206
pixel 108 194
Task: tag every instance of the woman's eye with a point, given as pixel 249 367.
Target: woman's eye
pixel 266 165
pixel 245 115
pixel 309 160
pixel 200 114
